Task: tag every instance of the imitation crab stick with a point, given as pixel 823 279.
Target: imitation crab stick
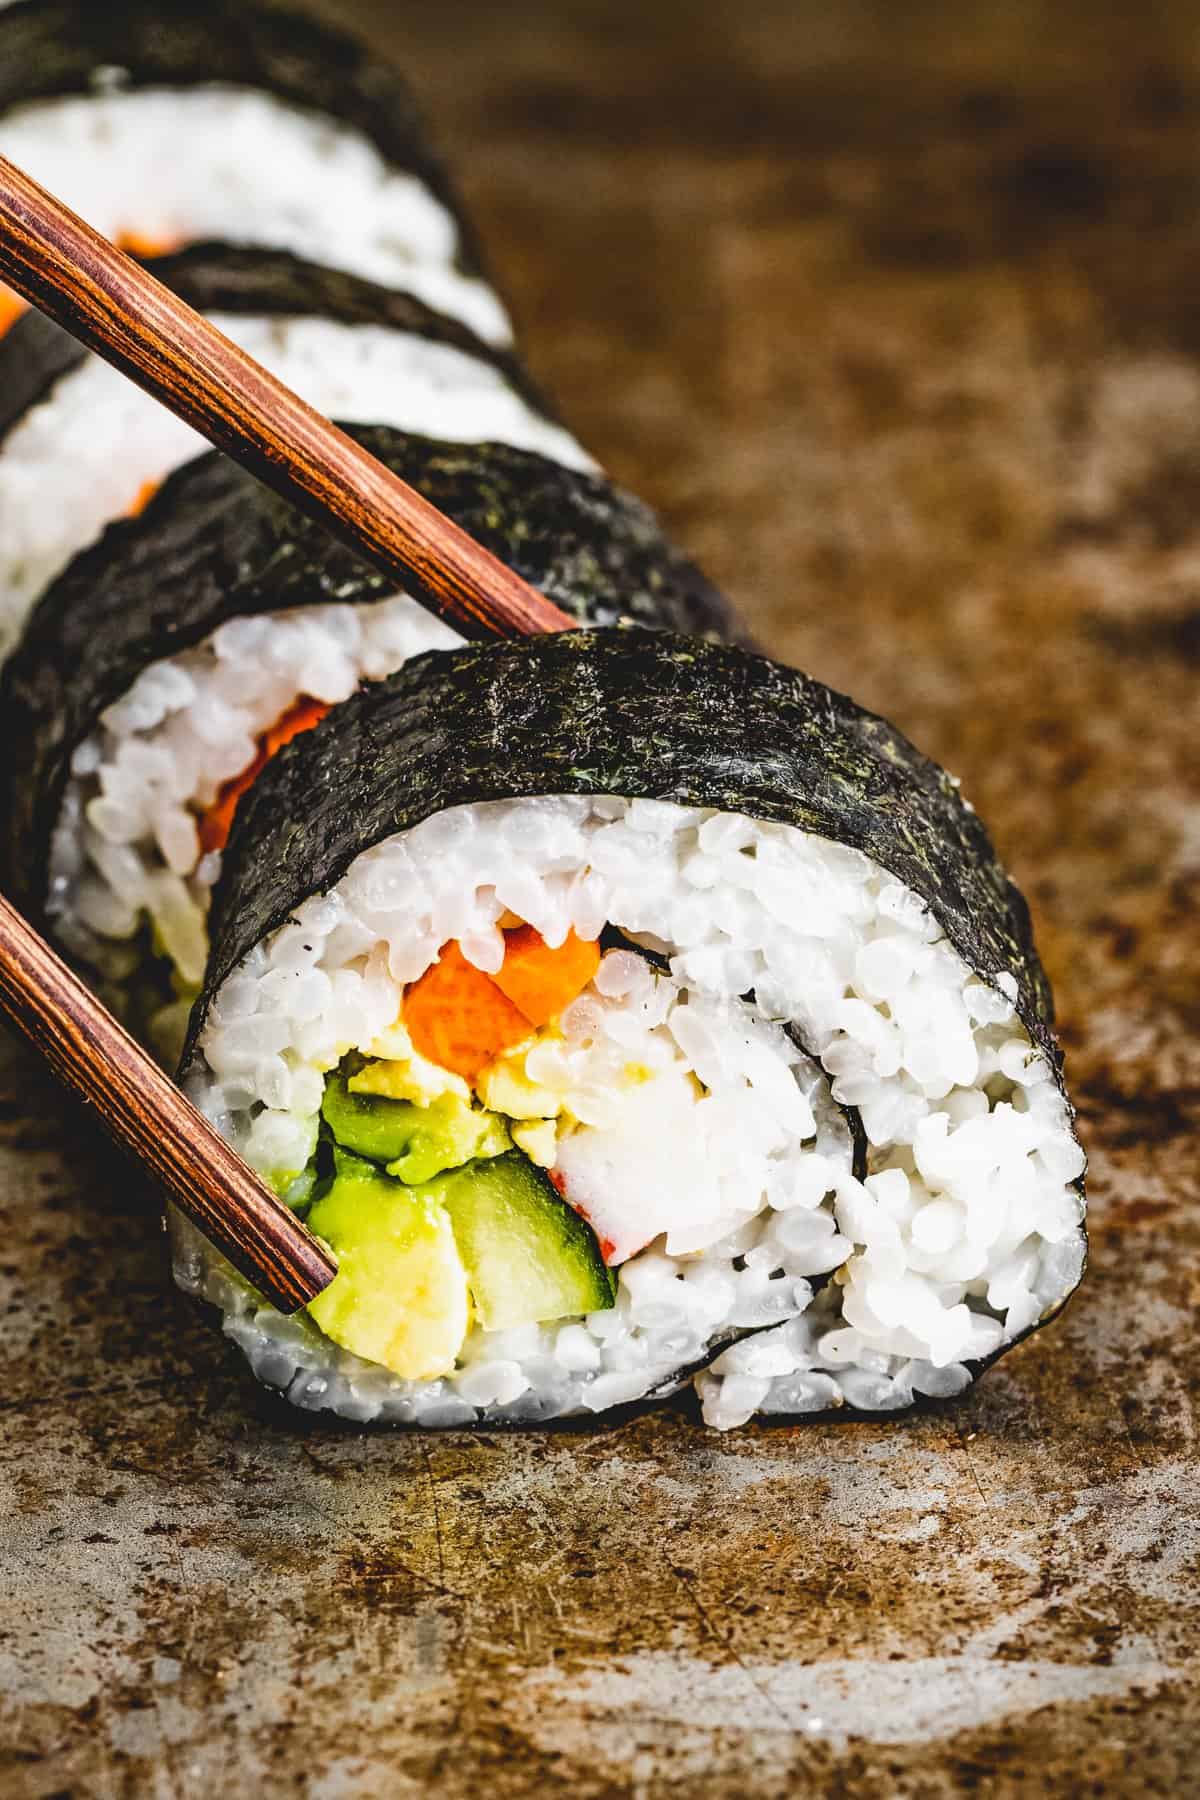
pixel 217 822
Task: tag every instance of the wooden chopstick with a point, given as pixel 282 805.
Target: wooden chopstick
pixel 115 307
pixel 111 304
pixel 143 1109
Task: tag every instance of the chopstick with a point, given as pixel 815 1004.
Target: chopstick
pixel 147 1114
pixel 111 304
pixel 118 309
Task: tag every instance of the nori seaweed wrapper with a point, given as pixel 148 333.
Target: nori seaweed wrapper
pixel 51 48
pixel 35 353
pixel 214 544
pixel 617 712
pixel 638 715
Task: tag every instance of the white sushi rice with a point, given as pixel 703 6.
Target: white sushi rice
pixel 127 850
pixel 173 165
pixel 81 456
pixel 965 1232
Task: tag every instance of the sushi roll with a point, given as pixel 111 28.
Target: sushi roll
pixel 80 444
pixel 159 672
pixel 625 1011
pixel 164 125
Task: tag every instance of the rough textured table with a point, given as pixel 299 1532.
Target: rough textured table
pixel 893 313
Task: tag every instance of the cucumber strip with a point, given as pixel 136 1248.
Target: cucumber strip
pixel 528 1255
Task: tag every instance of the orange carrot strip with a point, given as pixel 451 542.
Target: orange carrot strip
pixel 137 243
pixel 11 308
pixel 217 822
pixel 142 499
pixel 539 981
pixel 457 1017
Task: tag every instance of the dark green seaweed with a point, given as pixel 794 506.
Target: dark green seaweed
pixel 618 712
pixel 35 353
pixel 613 938
pixel 213 544
pixel 853 1117
pixel 50 48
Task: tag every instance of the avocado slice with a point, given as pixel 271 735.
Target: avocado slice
pixel 415 1142
pixel 400 1296
pixel 528 1255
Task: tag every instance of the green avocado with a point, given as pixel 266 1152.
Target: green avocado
pixel 457 1224
pixel 400 1296
pixel 528 1255
pixel 414 1142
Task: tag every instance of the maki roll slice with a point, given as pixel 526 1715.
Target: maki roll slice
pixel 166 125
pixel 627 1010
pixel 80 444
pixel 159 673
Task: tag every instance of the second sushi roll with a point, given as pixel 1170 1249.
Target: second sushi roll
pixel 80 445
pixel 159 672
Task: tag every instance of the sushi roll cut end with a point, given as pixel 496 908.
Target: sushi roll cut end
pixel 596 1093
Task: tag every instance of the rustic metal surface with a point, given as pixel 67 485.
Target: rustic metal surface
pixel 893 313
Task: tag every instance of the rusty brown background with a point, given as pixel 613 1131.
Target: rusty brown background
pixel 894 312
